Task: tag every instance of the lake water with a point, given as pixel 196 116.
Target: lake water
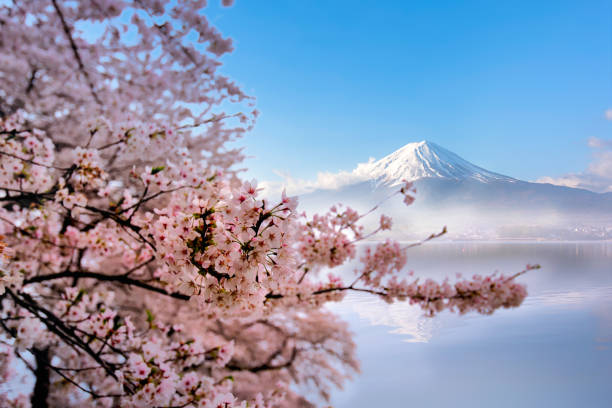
pixel 553 351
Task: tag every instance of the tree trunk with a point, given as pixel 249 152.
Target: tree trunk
pixel 41 387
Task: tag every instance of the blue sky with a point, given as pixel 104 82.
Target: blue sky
pixel 516 87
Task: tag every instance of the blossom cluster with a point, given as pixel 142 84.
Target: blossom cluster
pixel 156 363
pixel 136 268
pixel 480 294
pixel 186 234
pixel 329 239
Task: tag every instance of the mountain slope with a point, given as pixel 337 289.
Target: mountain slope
pixel 426 159
pixel 472 201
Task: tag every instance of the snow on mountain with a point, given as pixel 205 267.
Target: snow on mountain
pixel 473 202
pixel 424 160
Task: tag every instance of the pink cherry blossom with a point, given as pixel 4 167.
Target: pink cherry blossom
pixel 137 268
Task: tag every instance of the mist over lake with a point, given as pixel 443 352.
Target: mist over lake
pixel 554 350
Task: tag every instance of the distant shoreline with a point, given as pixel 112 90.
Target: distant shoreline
pixel 499 241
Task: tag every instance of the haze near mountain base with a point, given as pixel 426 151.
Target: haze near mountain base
pixel 473 202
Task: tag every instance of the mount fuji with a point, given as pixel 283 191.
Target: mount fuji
pixel 426 159
pixel 473 202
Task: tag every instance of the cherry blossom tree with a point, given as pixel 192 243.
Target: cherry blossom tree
pixel 137 268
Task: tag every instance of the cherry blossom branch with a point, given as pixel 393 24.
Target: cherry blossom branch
pixel 75 51
pixel 381 202
pixel 165 34
pixel 416 244
pixel 214 118
pixel 122 222
pixel 484 295
pixel 14 132
pixel 124 279
pixel 30 235
pixel 25 198
pixel 135 268
pixel 266 366
pixel 429 238
pixel 151 197
pixel 31 81
pixel 26 362
pixel 76 384
pixel 58 327
pixel 32 162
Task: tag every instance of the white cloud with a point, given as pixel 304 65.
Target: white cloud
pixel 325 181
pixel 598 176
pixel 569 180
pixel 598 143
pixel 608 114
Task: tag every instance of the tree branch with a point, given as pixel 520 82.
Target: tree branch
pixel 41 372
pixel 58 327
pixel 265 366
pixel 75 51
pixel 106 278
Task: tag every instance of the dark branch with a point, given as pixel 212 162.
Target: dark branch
pixel 75 51
pixel 31 81
pixel 124 279
pixel 123 222
pixel 59 328
pixel 29 161
pixel 266 366
pixel 41 372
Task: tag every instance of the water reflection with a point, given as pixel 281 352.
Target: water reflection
pixel 581 298
pixel 555 350
pixel 406 321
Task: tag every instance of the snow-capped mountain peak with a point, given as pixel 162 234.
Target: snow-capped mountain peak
pixel 427 160
pixel 473 202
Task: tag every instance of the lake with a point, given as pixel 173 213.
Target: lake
pixel 553 351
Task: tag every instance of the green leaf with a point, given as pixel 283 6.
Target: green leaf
pixel 79 296
pixel 150 316
pixel 116 322
pixel 157 169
